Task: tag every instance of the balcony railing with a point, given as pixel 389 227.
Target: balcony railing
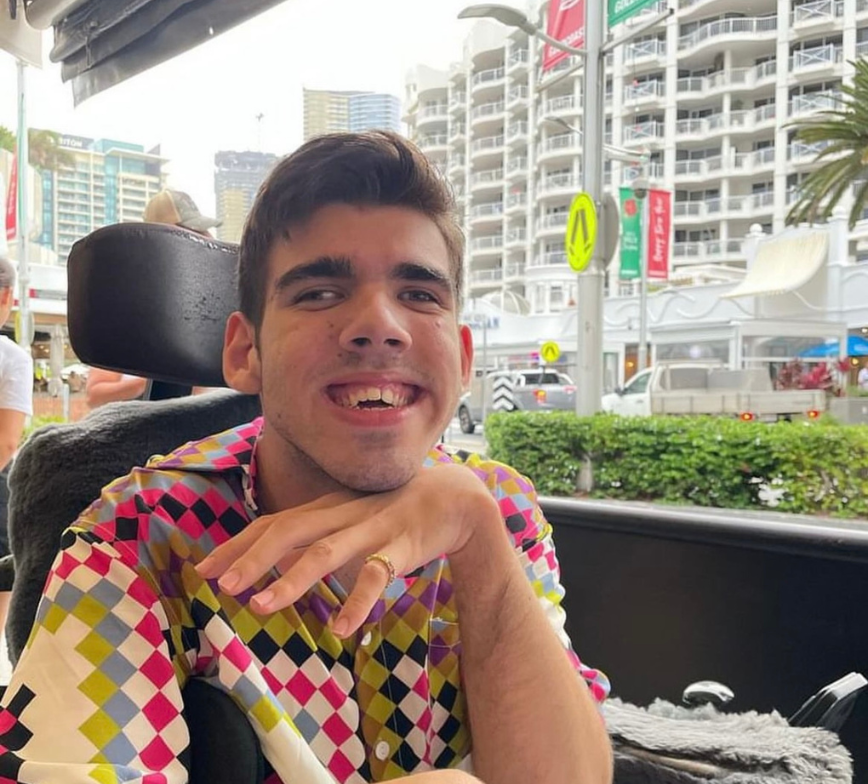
pixel 516 129
pixel 555 257
pixel 488 109
pixel 564 103
pixel 817 11
pixel 815 102
pixel 487 243
pixel 518 56
pixel 487 143
pixel 516 200
pixel 821 56
pixel 486 276
pixel 516 235
pixel 517 93
pixel 456 161
pixel 653 47
pixel 555 182
pixel 434 110
pixel 457 129
pixel 458 99
pixel 490 75
pixel 517 164
pixel 800 151
pixel 514 270
pixel 652 129
pixel 562 141
pixel 491 209
pixel 747 26
pixel 710 249
pixel 554 220
pixel 434 140
pixel 653 88
pixel 492 175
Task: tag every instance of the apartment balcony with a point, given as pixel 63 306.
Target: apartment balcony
pixel 817 16
pixel 564 145
pixel 641 133
pixel 565 104
pixel 457 131
pixel 457 102
pixel 817 58
pixel 514 272
pixel 801 153
pixel 516 202
pixel 706 8
pixel 486 246
pixel 515 237
pixel 753 119
pixel 861 7
pixel 436 142
pixel 809 103
pixel 487 145
pixel 488 112
pixel 518 59
pixel 653 171
pixel 485 278
pixel 711 250
pixel 552 224
pixel 516 168
pixel 553 258
pixel 649 51
pixel 559 185
pixel 516 133
pixel 648 92
pixel 517 95
pixel 862 46
pixel 432 113
pixel 733 207
pixel 486 213
pixel 490 78
pixel 753 161
pixel 482 180
pixel 456 165
pixel 741 35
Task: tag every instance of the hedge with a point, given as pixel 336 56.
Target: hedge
pixel 806 467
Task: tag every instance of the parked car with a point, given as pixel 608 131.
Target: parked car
pixel 533 389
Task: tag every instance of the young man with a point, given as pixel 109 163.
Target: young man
pixel 379 608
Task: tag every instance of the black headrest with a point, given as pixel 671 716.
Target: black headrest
pixel 152 300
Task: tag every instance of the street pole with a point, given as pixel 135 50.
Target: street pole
pixel 643 288
pixel 589 302
pixel 24 336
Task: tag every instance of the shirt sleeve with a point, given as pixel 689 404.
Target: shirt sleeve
pixel 96 681
pixel 531 535
pixel 16 382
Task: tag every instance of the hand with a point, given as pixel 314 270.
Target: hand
pixel 434 514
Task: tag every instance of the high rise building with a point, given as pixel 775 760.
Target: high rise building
pixel 328 111
pixel 103 181
pixel 237 178
pixel 708 93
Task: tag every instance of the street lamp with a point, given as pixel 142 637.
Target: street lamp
pixel 640 191
pixel 589 302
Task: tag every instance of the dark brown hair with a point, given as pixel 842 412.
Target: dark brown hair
pixel 376 168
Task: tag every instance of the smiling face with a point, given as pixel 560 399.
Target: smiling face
pixel 360 359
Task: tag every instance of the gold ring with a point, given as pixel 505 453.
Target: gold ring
pixel 387 562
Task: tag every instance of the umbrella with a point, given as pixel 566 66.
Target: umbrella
pixel 857 346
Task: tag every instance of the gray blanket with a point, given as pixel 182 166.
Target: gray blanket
pixel 61 469
pixel 667 744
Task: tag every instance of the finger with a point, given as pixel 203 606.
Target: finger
pixel 372 581
pixel 322 557
pixel 225 555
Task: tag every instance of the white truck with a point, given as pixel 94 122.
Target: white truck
pixel 704 388
pixel 533 389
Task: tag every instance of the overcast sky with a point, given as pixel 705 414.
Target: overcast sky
pixel 207 99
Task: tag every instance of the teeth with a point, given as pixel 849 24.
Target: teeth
pixel 388 395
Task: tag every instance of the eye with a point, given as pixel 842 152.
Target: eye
pixel 316 296
pixel 420 296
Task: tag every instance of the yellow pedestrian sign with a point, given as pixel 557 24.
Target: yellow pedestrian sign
pixel 581 232
pixel 550 351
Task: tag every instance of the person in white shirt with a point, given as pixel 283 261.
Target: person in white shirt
pixel 862 378
pixel 16 404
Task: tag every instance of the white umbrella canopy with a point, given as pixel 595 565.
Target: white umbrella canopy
pixel 100 43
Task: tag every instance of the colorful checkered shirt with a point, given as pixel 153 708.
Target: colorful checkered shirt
pixel 125 621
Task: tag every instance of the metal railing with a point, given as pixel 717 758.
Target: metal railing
pixel 652 88
pixel 815 102
pixel 517 129
pixel 516 200
pixel 491 175
pixel 488 109
pixel 817 11
pixel 516 235
pixel 490 75
pixel 551 258
pixel 486 276
pixel 434 140
pixel 518 56
pixel 553 220
pixel 652 129
pixel 562 104
pixel 562 141
pixel 434 110
pixel 517 93
pixel 747 26
pixel 556 182
pixel 487 143
pixel 491 209
pixel 653 47
pixel 816 56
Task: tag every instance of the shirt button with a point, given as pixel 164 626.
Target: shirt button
pixel 381 751
pixel 366 639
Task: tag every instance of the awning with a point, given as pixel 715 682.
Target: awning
pixel 100 43
pixel 857 346
pixel 784 264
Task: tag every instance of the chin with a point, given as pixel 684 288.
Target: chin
pixel 376 476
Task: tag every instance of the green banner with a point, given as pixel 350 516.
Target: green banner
pixel 631 232
pixel 620 10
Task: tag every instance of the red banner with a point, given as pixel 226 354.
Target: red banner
pixel 659 231
pixel 12 202
pixel 566 23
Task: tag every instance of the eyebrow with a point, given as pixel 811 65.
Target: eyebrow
pixel 338 267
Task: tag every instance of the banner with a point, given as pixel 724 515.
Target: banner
pixel 12 202
pixel 566 23
pixel 659 229
pixel 631 226
pixel 620 10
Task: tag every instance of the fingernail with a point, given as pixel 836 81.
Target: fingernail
pixel 204 566
pixel 229 580
pixel 264 599
pixel 341 627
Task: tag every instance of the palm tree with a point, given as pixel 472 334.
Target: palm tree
pixel 844 133
pixel 44 148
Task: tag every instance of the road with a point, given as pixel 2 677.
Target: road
pixel 472 443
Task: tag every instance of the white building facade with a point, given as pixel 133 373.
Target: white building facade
pixel 709 94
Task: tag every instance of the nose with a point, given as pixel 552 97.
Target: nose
pixel 375 322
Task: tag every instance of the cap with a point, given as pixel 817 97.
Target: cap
pixel 7 273
pixel 178 209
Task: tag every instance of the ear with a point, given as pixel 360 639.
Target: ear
pixel 241 366
pixel 466 337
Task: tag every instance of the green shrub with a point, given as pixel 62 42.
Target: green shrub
pixel 40 421
pixel 807 467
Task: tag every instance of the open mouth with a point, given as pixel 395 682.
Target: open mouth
pixel 361 397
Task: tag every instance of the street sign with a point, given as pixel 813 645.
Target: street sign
pixel 621 10
pixel 581 232
pixel 550 351
pixel 611 228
